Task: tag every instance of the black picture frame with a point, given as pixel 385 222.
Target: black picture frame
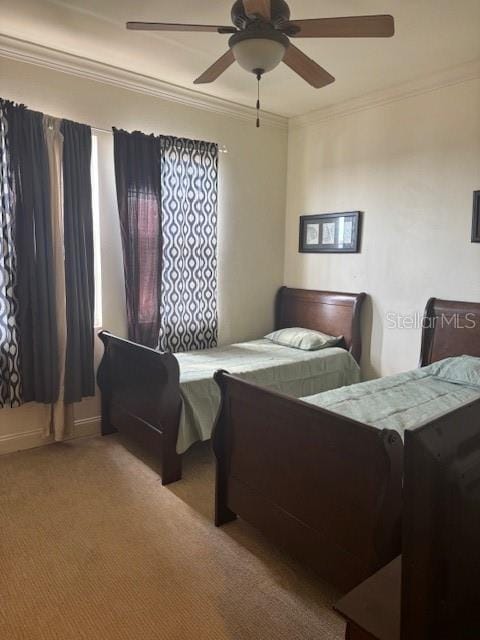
pixel 330 233
pixel 476 217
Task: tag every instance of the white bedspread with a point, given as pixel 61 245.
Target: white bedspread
pixel 290 371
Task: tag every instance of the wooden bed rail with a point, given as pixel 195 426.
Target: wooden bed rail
pixel 140 396
pixel 324 487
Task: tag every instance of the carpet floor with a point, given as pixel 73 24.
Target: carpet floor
pixel 92 547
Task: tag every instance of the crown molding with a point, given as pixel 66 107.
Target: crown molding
pixel 42 56
pixel 447 78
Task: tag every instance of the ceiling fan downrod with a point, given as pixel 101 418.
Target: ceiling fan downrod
pixel 258 73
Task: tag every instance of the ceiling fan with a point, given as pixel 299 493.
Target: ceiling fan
pixel 260 38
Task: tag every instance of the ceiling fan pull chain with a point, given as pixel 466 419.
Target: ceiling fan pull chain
pixel 259 77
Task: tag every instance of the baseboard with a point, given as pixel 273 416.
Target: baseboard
pixel 82 428
pixel 23 440
pixel 86 427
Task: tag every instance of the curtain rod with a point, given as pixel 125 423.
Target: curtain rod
pixel 98 130
pixel 221 147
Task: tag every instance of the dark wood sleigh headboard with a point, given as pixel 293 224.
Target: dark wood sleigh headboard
pixel 331 312
pixel 450 328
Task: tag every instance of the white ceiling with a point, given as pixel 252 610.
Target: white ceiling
pixel 431 35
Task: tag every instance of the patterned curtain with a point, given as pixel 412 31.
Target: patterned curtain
pixel 188 310
pixel 10 382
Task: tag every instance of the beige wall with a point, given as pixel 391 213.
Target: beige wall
pixel 252 179
pixel 411 166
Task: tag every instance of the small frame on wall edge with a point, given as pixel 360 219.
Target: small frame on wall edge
pixel 476 217
pixel 331 233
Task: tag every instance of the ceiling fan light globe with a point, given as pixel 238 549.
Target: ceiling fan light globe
pixel 257 54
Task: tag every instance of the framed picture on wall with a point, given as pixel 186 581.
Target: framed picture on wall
pixel 476 217
pixel 330 233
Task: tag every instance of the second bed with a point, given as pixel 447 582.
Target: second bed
pixel 322 476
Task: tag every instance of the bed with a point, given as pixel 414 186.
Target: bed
pixel 168 401
pixel 327 486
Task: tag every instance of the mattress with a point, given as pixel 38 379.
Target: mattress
pixel 291 371
pixel 398 402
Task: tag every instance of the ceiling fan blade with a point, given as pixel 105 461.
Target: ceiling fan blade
pixel 217 68
pixel 258 8
pixel 307 68
pixel 351 27
pixel 169 26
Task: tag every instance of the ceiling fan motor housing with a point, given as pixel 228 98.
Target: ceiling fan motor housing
pixel 260 48
pixel 260 44
pixel 279 10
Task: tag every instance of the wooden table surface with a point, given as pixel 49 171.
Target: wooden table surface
pixel 374 606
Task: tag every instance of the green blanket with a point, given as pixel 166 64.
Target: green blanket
pixel 290 371
pixel 399 402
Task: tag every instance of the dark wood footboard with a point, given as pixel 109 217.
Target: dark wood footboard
pixel 141 396
pixel 326 488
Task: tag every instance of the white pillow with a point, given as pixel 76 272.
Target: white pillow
pixel 305 339
pixel 460 370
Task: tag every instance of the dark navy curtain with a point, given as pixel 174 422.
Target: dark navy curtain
pixel 39 368
pixel 79 261
pixel 137 174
